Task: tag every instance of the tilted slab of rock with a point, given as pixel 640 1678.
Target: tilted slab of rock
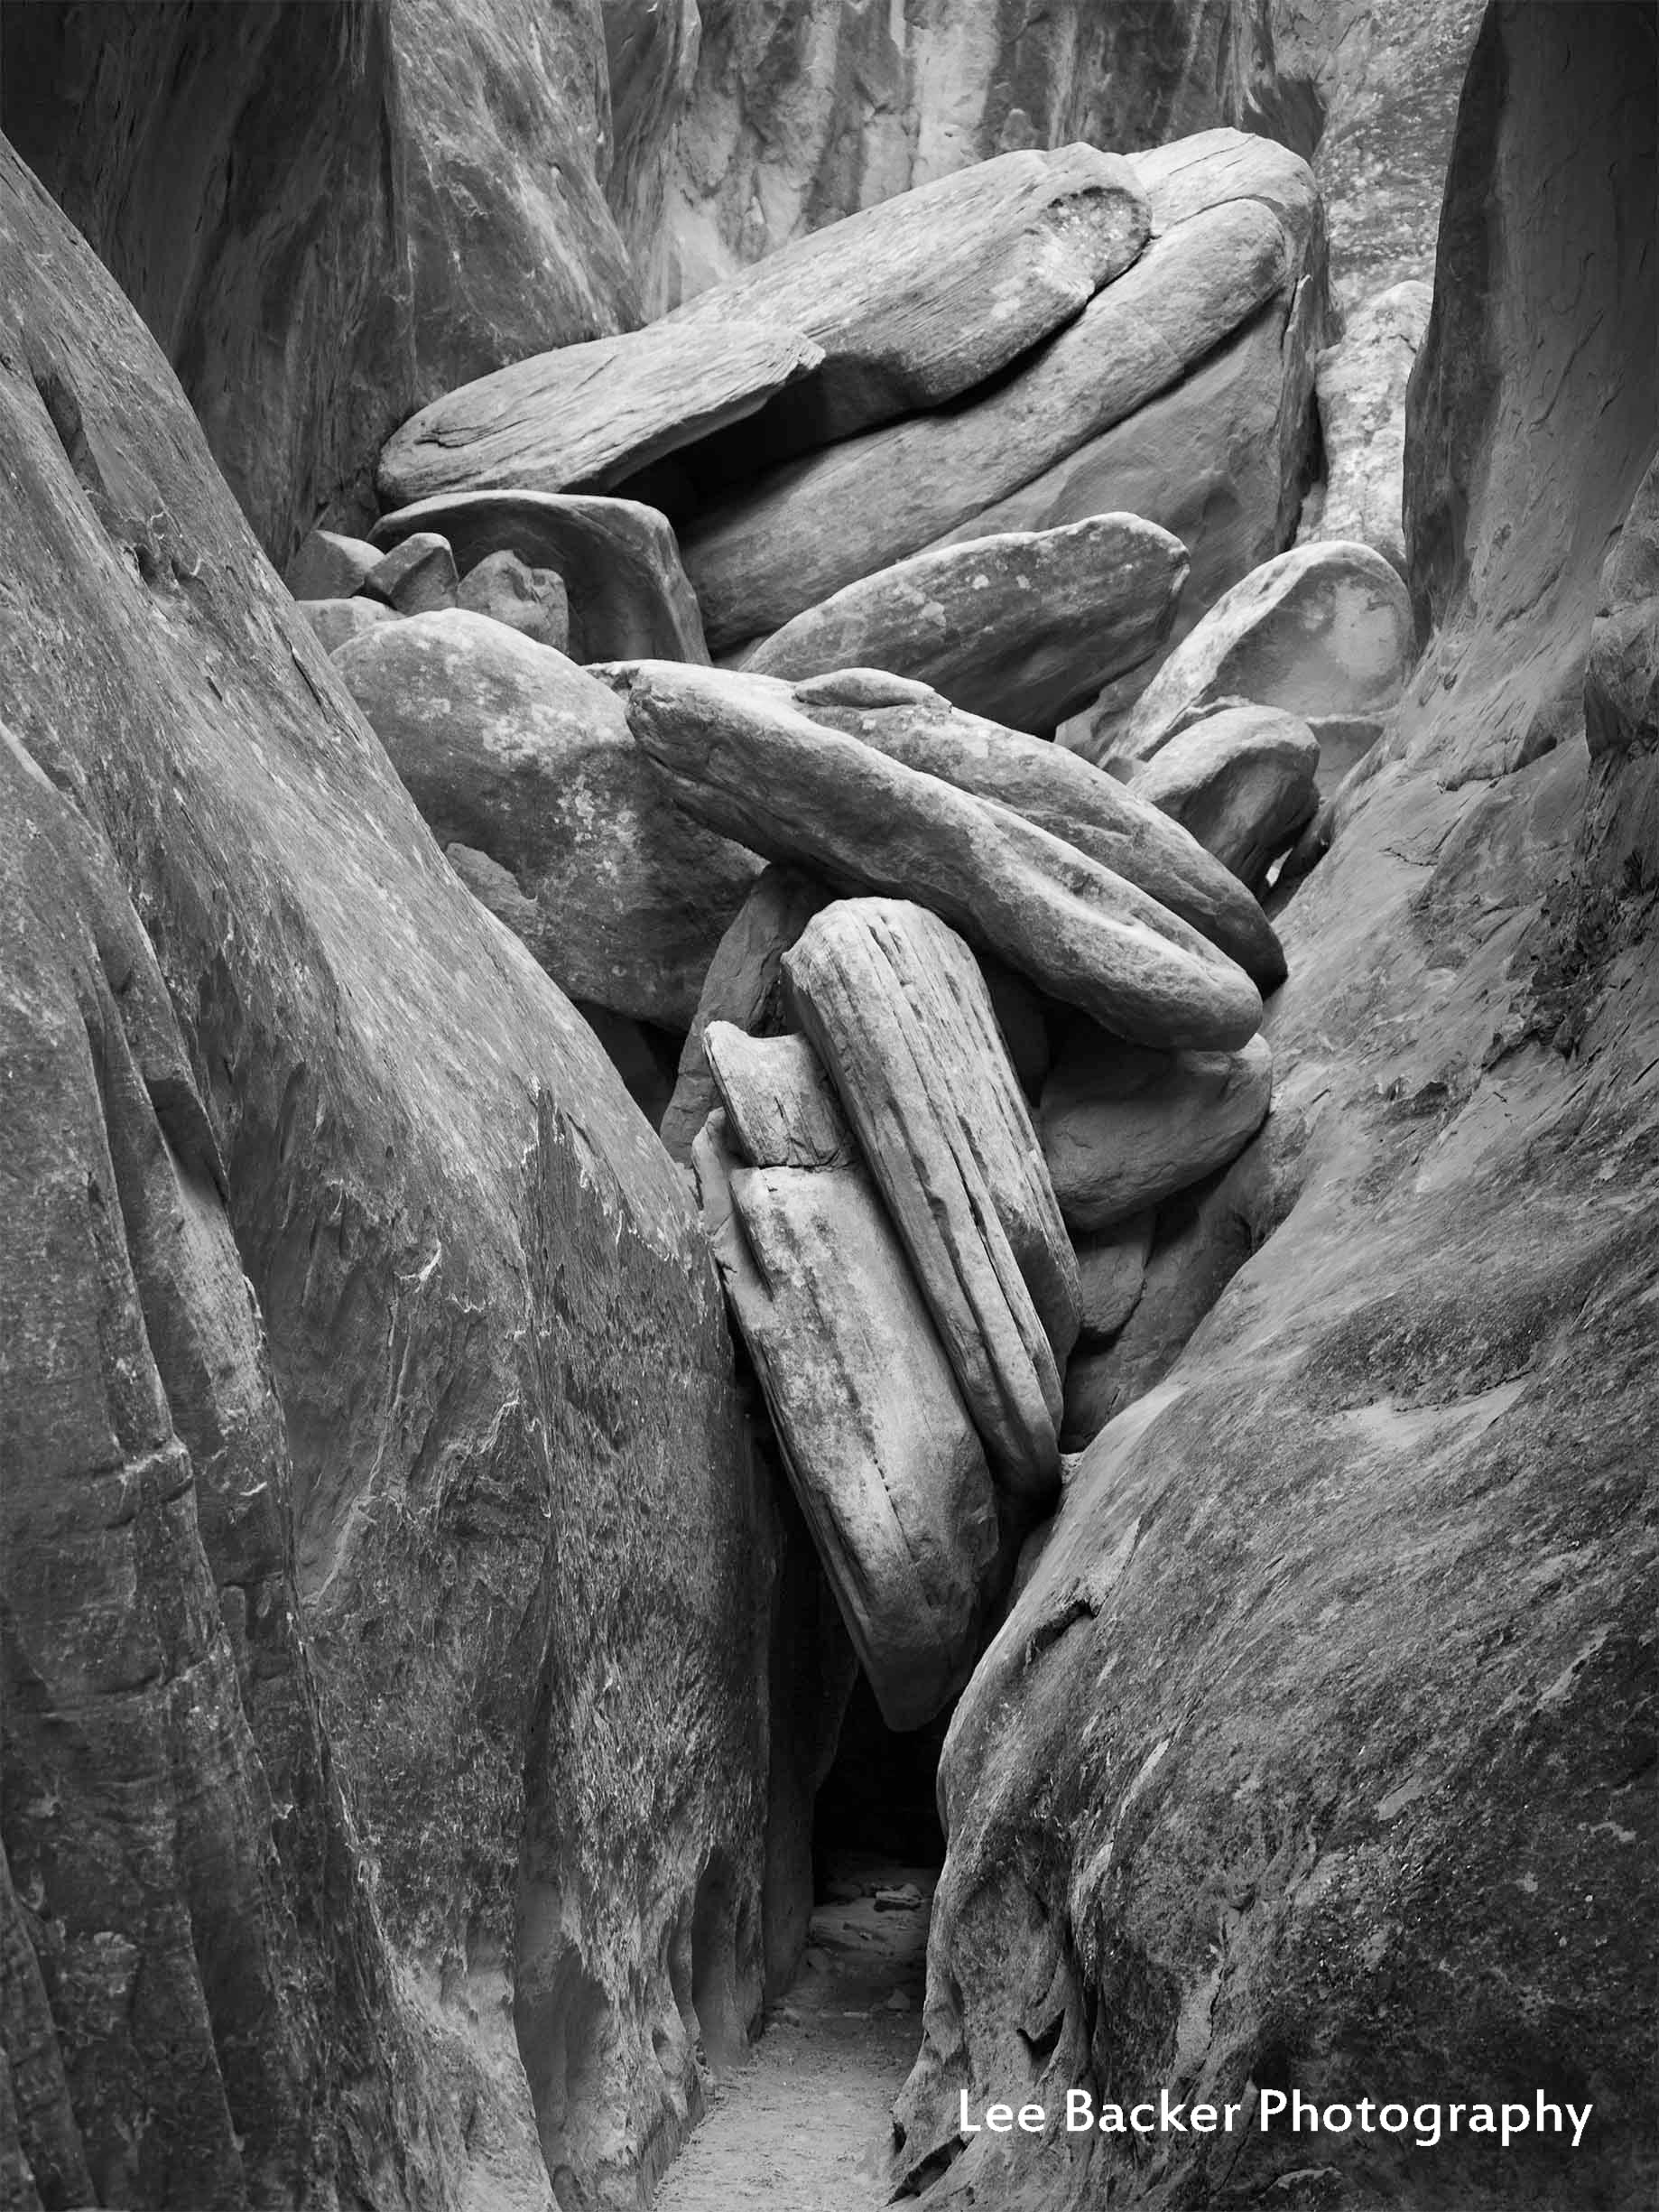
pixel 1050 787
pixel 1121 1128
pixel 1241 781
pixel 765 555
pixel 929 292
pixel 1322 629
pixel 780 1110
pixel 584 417
pixel 627 592
pixel 508 748
pixel 417 577
pixel 1111 1269
pixel 1024 627
pixel 744 986
pixel 754 769
pixel 899 1012
pixel 875 1438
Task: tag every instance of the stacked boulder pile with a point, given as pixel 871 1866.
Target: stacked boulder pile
pixel 967 1021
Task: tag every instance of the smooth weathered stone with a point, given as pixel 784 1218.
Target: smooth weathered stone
pixel 1111 1267
pixel 508 748
pixel 899 1013
pixel 743 987
pixel 417 577
pixel 1050 787
pixel 875 1438
pixel 528 599
pixel 921 297
pixel 1121 1128
pixel 1322 629
pixel 780 1110
pixel 584 417
pixel 1023 628
pixel 1360 386
pixel 627 592
pixel 765 555
pixel 329 566
pixel 1241 781
pixel 755 768
pixel 338 621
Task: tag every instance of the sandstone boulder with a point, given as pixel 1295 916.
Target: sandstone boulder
pixel 765 555
pixel 1023 628
pixel 329 566
pixel 899 1013
pixel 754 769
pixel 585 417
pixel 533 600
pixel 877 1440
pixel 780 1112
pixel 1360 386
pixel 921 297
pixel 744 987
pixel 1121 1128
pixel 338 621
pixel 508 748
pixel 1111 1267
pixel 1052 787
pixel 1322 629
pixel 626 594
pixel 1243 782
pixel 417 577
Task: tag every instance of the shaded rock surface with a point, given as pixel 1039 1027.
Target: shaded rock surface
pixel 533 600
pixel 508 749
pixel 780 1111
pixel 1621 693
pixel 1111 1266
pixel 338 621
pixel 899 1013
pixel 1023 628
pixel 1383 1523
pixel 1121 1128
pixel 753 767
pixel 883 1459
pixel 417 577
pixel 1243 782
pixel 625 594
pixel 495 1336
pixel 329 566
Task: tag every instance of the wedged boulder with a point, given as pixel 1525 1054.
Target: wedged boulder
pixel 744 987
pixel 626 593
pixel 918 299
pixel 876 1441
pixel 780 1112
pixel 1360 386
pixel 1111 1269
pixel 1243 782
pixel 1323 630
pixel 898 1011
pixel 765 555
pixel 1050 787
pixel 743 761
pixel 329 565
pixel 531 600
pixel 507 747
pixel 338 621
pixel 1023 628
pixel 584 417
pixel 1621 683
pixel 417 577
pixel 1121 1128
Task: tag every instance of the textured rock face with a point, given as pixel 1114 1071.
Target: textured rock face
pixel 1023 628
pixel 510 749
pixel 1358 1598
pixel 1621 695
pixel 495 1337
pixel 400 153
pixel 1361 384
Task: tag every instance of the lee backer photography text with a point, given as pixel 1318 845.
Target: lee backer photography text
pixel 1287 2112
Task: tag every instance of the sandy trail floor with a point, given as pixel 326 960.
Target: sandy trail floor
pixel 806 2124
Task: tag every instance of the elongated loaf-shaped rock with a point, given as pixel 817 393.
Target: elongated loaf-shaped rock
pixel 875 1438
pixel 927 293
pixel 901 1017
pixel 1024 628
pixel 1241 781
pixel 791 789
pixel 1062 793
pixel 779 1108
pixel 1121 1128
pixel 583 417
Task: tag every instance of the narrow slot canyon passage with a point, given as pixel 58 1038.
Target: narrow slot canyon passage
pixel 803 2124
